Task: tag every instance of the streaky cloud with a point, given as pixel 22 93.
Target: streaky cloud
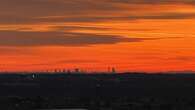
pixel 34 11
pixel 23 39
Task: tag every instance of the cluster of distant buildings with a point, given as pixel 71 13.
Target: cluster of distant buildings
pixel 77 71
pixel 110 70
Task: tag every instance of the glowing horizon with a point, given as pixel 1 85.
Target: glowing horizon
pixel 130 35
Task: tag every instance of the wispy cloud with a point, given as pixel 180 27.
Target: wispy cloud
pixel 16 38
pixel 151 16
pixel 36 11
pixel 153 1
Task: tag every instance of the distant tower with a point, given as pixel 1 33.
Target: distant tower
pixel 113 70
pixel 64 70
pixel 77 70
pixel 55 71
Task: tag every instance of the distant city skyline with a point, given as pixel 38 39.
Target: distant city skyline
pixel 129 35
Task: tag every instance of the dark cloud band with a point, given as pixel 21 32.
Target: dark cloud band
pixel 34 11
pixel 15 38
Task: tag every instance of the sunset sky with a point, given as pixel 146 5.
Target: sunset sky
pixel 130 35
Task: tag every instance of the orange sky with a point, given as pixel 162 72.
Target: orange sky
pixel 130 35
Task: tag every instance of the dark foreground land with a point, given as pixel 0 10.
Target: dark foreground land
pixel 97 92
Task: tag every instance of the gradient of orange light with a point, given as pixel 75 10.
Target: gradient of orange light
pixel 152 55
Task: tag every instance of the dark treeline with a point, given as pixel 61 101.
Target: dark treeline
pixel 134 91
